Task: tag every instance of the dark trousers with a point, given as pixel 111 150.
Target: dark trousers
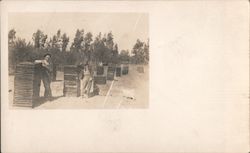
pixel 37 84
pixel 46 82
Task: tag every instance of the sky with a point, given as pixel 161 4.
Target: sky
pixel 126 27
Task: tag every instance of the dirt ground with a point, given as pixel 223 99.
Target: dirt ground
pixel 127 91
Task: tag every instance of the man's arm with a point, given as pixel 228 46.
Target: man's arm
pixel 38 61
pixel 48 66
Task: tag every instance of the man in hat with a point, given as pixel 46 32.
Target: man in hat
pixel 46 70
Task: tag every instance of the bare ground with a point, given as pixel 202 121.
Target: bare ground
pixel 127 91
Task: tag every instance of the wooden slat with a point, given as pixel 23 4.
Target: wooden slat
pixel 23 84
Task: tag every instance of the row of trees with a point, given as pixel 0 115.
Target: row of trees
pixel 84 48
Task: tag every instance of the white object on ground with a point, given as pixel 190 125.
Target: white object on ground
pixel 129 93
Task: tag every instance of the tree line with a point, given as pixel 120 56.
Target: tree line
pixel 84 48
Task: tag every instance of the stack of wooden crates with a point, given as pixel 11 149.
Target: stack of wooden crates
pixel 125 69
pixel 100 76
pixel 118 71
pixel 25 85
pixel 71 81
pixel 111 72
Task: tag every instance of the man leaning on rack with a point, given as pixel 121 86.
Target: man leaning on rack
pixel 46 71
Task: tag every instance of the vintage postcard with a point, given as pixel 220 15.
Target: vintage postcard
pixel 125 76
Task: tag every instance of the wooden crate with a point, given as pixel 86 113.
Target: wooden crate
pixel 71 91
pixel 70 77
pixel 24 85
pixel 125 69
pixel 71 81
pixel 118 71
pixel 99 70
pixel 71 69
pixel 100 79
pixel 111 69
pixel 105 72
pixel 110 75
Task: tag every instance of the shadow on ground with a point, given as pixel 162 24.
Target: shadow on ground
pixel 41 100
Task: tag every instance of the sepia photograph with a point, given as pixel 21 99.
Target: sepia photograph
pixel 127 76
pixel 78 60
